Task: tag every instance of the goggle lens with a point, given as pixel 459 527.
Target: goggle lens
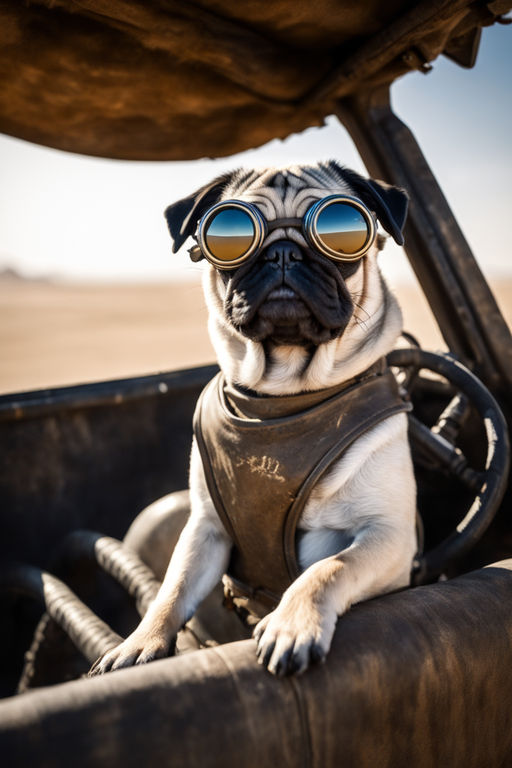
pixel 230 234
pixel 341 227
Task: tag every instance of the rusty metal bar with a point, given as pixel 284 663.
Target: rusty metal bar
pixel 458 294
pixel 23 405
pixel 407 678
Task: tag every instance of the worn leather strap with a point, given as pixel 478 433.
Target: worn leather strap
pixel 386 401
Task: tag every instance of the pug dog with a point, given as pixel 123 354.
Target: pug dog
pixel 297 305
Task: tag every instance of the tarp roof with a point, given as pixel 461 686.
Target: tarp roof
pixel 176 80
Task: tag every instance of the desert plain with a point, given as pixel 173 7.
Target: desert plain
pixel 55 333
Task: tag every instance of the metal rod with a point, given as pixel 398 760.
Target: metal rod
pixel 458 294
pixel 444 454
pixel 24 405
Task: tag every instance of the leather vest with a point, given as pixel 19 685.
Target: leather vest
pixel 262 455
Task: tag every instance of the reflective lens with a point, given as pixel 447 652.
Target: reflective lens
pixel 229 234
pixel 341 227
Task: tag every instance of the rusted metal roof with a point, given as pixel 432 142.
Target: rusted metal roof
pixel 174 80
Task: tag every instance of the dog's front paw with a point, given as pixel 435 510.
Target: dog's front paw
pixel 294 636
pixel 138 648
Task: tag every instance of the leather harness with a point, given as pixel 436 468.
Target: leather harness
pixel 262 455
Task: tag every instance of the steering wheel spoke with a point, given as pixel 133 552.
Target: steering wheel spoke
pixel 436 448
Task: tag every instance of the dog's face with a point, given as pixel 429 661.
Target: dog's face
pixel 288 293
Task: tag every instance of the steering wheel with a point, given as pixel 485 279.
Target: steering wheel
pixel 438 443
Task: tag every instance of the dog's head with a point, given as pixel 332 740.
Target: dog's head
pixel 288 292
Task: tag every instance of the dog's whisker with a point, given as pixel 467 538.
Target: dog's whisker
pixel 359 306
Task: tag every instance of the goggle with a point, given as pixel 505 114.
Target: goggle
pixel 338 226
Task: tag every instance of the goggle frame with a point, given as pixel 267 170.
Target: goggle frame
pixel 307 224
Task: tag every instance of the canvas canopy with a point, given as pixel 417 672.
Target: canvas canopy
pixel 174 80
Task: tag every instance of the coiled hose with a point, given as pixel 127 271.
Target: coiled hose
pixel 90 635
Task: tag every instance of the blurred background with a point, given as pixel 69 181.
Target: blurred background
pixel 90 290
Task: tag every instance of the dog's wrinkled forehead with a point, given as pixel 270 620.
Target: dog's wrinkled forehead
pixel 286 192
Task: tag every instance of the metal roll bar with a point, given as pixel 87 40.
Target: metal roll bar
pixel 396 690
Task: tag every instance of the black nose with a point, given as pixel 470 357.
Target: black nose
pixel 283 253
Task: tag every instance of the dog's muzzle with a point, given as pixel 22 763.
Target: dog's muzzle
pixel 288 295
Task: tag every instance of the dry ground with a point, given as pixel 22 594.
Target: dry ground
pixel 54 334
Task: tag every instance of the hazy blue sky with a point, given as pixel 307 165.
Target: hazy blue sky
pixel 82 217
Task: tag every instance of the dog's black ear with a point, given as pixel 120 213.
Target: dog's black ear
pixel 389 203
pixel 182 216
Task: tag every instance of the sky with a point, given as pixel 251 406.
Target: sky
pixel 82 218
